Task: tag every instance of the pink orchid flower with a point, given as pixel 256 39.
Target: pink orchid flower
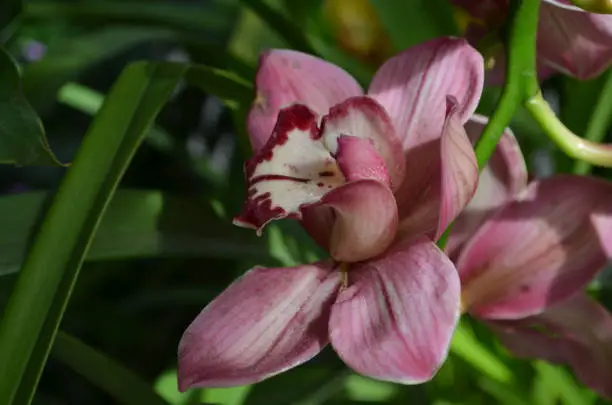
pixel 524 254
pixel 373 179
pixel 570 40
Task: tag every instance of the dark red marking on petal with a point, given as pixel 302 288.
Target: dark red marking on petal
pixel 267 177
pixel 296 116
pixel 319 184
pixel 327 173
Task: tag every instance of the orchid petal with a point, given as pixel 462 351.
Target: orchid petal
pixel 296 170
pixel 365 220
pixel 459 171
pixel 573 41
pixel 354 222
pixel 358 160
pixel 286 77
pixel 576 332
pixel 503 177
pixel 450 193
pixel 395 320
pixel 364 118
pixel 537 250
pixel 266 322
pixel 413 88
pixel 293 170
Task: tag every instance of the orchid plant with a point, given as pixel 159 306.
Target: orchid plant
pixel 375 180
pixel 383 180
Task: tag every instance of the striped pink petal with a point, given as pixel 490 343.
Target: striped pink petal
pixel 576 332
pixel 286 77
pixel 537 250
pixel 395 320
pixel 504 176
pixel 448 194
pixel 363 117
pixel 266 322
pixel 573 41
pixel 413 87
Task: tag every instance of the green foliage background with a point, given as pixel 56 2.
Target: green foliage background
pixel 153 94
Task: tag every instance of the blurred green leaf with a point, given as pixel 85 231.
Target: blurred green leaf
pixel 9 9
pixel 137 223
pixel 411 22
pixel 46 280
pixel 22 137
pixel 560 385
pixel 113 378
pixel 66 59
pixel 466 346
pixel 366 389
pixel 188 18
pixel 166 387
pixel 283 26
pixel 226 396
pixel 504 393
pixel 305 385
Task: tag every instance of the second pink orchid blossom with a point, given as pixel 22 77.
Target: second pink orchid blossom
pixel 524 254
pixel 570 40
pixel 374 179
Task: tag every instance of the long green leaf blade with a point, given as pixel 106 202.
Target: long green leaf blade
pixel 45 283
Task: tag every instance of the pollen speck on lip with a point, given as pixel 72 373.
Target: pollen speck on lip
pixel 260 101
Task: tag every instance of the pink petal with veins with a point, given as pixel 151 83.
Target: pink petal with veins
pixel 447 195
pixel 536 250
pixel 504 176
pixel 365 220
pixel 266 322
pixel 395 320
pixel 576 332
pixel 363 117
pixel 573 41
pixel 413 88
pixel 459 171
pixel 287 77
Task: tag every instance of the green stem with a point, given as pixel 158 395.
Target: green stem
pixel 521 79
pixel 566 140
pixel 599 122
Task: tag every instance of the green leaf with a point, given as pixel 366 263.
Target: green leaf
pixel 166 387
pixel 185 18
pixel 286 29
pixel 22 137
pixel 365 389
pixel 113 378
pixel 9 9
pixel 67 58
pixel 304 385
pixel 46 280
pixel 466 346
pixel 561 385
pixel 137 223
pixel 411 22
